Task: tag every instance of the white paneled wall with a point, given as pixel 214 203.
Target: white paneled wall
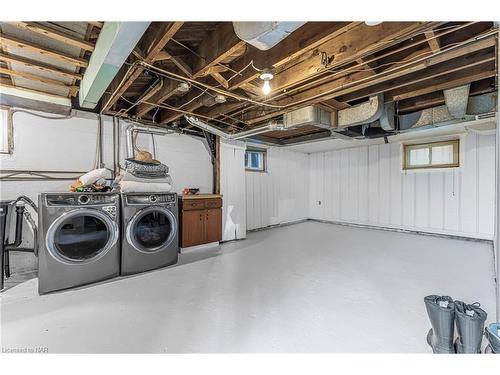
pixel 279 195
pixel 365 185
pixel 233 189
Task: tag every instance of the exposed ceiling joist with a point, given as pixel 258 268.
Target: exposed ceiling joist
pixel 32 77
pixel 29 94
pixel 432 40
pixel 38 66
pixel 55 34
pixel 168 89
pixel 352 83
pixel 304 39
pixel 219 45
pixel 466 53
pixel 7 40
pixel 352 41
pixel 219 78
pixel 291 47
pixel 350 46
pixel 156 38
pixel 445 82
pixel 183 67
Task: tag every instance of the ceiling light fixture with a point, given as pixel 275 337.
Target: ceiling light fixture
pixel 372 23
pixel 266 75
pixel 183 87
pixel 219 99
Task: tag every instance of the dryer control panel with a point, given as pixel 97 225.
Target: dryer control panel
pixel 144 199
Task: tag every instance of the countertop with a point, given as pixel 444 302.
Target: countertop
pixel 200 196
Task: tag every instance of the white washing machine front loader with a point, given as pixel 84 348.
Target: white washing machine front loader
pixel 79 239
pixel 149 231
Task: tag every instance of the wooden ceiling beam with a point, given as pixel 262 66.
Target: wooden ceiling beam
pixel 158 35
pixel 350 46
pixel 54 34
pixel 183 67
pixel 353 41
pixel 306 38
pixel 32 77
pixel 432 40
pixel 355 82
pixel 38 66
pixel 7 40
pixel 459 58
pixel 220 79
pixel 168 89
pixel 220 44
pixel 217 46
pixel 448 81
pixel 97 24
pixel 436 98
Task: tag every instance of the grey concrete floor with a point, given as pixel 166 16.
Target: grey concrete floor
pixel 310 287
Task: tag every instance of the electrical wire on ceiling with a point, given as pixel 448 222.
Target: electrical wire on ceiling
pixel 344 72
pixel 205 88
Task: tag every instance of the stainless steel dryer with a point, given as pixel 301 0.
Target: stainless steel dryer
pixel 149 231
pixel 79 239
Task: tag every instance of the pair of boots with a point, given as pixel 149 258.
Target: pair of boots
pixel 492 333
pixel 444 313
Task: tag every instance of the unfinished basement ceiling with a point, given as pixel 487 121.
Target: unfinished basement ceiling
pixel 334 65
pixel 46 59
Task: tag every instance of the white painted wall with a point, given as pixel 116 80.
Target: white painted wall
pixel 233 189
pixel 279 195
pixel 365 185
pixel 70 144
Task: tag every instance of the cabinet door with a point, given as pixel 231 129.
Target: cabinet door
pixel 193 228
pixel 213 225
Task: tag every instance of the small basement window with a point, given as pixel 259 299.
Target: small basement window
pixel 255 160
pixel 431 155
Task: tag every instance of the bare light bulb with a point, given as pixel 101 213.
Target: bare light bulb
pixel 266 88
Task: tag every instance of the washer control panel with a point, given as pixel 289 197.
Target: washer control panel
pixel 80 199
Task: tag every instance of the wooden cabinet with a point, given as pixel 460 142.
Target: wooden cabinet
pixel 200 219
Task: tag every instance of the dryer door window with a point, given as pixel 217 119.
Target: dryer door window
pixel 152 228
pixel 81 236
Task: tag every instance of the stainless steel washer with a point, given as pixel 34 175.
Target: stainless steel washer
pixel 79 239
pixel 149 231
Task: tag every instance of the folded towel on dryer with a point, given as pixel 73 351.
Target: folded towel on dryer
pixel 141 187
pixel 145 170
pixel 127 176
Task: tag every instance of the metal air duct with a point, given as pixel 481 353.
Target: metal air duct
pixel 264 35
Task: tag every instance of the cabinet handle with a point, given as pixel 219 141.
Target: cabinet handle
pixel 201 216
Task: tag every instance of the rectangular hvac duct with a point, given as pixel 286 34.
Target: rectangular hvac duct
pixel 311 115
pixel 264 35
pixel 115 43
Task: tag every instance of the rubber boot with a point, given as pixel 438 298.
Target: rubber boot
pixel 492 333
pixel 470 325
pixel 441 311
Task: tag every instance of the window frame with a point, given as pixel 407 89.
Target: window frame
pixel 264 159
pixel 429 145
pixel 9 133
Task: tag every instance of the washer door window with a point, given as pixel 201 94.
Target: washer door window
pixel 151 229
pixel 81 236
